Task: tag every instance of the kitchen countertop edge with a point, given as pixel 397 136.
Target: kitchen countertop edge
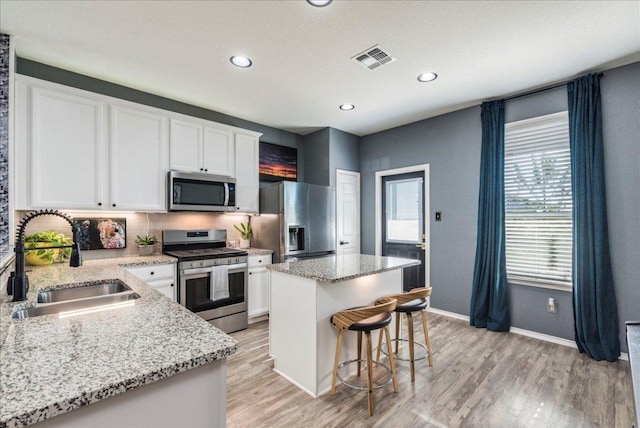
pixel 318 269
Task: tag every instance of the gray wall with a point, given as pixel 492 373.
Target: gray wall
pixel 451 145
pixel 327 150
pixel 80 81
pixel 315 147
pixel 621 126
pixel 344 150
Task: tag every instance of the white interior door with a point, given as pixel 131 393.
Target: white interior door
pixel 348 212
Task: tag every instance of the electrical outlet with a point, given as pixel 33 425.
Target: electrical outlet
pixel 438 216
pixel 551 306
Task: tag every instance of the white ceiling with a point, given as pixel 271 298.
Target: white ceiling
pixel 302 55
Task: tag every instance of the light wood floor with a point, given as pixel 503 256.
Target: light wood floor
pixel 479 379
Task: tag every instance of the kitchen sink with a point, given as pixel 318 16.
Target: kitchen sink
pixel 78 306
pixel 83 292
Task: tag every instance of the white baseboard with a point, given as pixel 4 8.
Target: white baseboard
pixel 258 318
pixel 534 334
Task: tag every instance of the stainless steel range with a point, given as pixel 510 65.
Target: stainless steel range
pixel 212 279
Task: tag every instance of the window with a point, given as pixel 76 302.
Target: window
pixel 538 205
pixel 404 211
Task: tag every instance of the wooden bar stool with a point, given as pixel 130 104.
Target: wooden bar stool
pixel 412 301
pixel 364 320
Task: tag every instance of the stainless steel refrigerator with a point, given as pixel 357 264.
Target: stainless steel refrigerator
pixel 296 220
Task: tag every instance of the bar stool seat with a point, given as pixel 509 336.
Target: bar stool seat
pixel 412 306
pixel 375 322
pixel 364 320
pixel 412 301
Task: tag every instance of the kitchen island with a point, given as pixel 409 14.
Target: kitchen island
pixel 304 295
pixel 151 364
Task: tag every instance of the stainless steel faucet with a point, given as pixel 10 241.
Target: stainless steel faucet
pixel 20 284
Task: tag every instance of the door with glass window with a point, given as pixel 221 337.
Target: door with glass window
pixel 403 222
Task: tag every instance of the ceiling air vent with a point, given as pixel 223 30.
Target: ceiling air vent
pixel 374 57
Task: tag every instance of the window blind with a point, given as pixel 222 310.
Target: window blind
pixel 538 204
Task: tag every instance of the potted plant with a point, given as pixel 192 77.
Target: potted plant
pixel 245 233
pixel 43 257
pixel 146 244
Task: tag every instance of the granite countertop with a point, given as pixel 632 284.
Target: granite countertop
pixel 51 365
pixel 341 268
pixel 258 251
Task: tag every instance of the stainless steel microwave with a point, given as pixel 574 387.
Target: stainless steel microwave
pixel 191 191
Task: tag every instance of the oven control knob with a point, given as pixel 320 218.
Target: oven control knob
pixel 201 264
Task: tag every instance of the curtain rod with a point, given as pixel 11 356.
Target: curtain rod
pixel 546 88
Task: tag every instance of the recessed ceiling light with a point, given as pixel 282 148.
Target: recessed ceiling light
pixel 427 77
pixel 347 107
pixel 240 61
pixel 319 3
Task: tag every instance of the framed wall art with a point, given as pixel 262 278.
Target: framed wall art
pixel 278 163
pixel 102 233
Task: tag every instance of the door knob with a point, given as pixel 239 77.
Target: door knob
pixel 344 242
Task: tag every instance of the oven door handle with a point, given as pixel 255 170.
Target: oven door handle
pixel 195 271
pixel 208 269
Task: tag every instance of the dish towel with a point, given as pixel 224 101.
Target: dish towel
pixel 219 283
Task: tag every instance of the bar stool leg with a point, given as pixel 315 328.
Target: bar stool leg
pixel 379 346
pixel 391 362
pixel 369 373
pixel 411 354
pixel 335 364
pixel 359 351
pixel 397 330
pixel 426 335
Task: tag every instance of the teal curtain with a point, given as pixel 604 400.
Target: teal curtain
pixel 594 302
pixel 490 298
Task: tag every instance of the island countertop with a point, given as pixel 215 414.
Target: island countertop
pixel 50 365
pixel 336 268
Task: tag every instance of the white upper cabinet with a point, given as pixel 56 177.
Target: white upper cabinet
pixel 247 174
pixel 196 147
pixel 186 146
pixel 67 149
pixel 79 150
pixel 218 153
pixel 139 160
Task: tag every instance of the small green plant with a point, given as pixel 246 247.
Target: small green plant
pixel 50 238
pixel 146 240
pixel 245 230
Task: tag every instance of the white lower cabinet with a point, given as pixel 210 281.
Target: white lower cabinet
pixel 162 277
pixel 259 281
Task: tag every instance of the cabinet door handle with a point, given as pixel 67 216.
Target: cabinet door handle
pixel 152 273
pixel 99 204
pixel 250 273
pixel 113 205
pixel 206 170
pixel 172 284
pixel 201 169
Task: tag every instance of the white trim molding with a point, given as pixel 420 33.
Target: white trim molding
pixel 522 332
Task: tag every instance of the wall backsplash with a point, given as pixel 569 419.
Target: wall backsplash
pixel 140 224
